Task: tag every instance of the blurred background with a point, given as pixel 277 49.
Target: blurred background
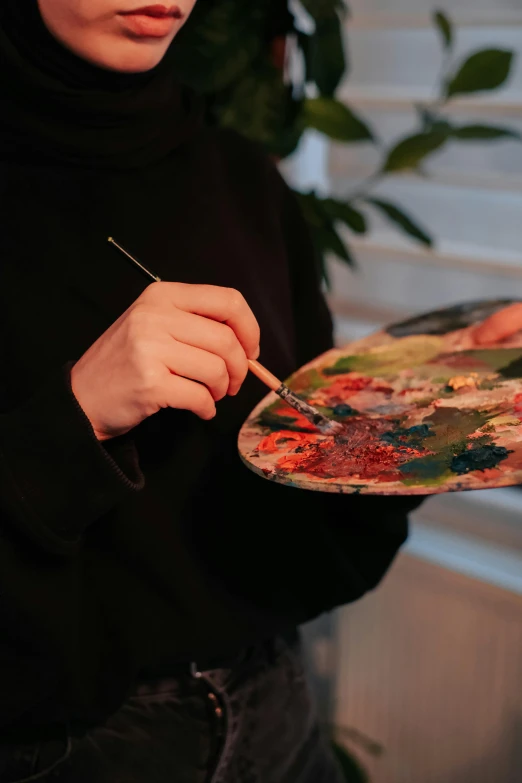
pixel 399 124
pixel 430 667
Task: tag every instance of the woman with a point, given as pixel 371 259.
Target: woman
pixel 149 583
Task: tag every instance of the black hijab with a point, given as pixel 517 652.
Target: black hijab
pixel 54 106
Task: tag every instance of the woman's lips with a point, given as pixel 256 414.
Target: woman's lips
pixel 152 21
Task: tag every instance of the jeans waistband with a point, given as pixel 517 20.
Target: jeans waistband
pixel 201 663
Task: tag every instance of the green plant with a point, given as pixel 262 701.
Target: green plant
pixel 231 51
pixel 351 769
pixel 350 765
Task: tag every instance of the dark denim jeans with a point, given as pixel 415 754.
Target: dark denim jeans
pixel 251 723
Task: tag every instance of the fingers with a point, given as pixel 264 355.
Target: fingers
pixel 225 305
pixel 500 325
pixel 189 395
pixel 198 365
pixel 215 338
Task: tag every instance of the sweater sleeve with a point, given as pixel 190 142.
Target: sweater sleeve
pixel 56 478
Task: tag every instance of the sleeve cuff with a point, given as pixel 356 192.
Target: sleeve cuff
pixel 56 478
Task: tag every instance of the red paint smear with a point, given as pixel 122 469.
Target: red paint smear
pixel 347 386
pixel 283 409
pixel 513 462
pixel 517 406
pixel 352 383
pixel 285 439
pixel 487 475
pixel 360 453
pixel 459 360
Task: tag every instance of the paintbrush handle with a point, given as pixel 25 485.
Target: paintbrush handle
pixel 264 375
pixel 325 425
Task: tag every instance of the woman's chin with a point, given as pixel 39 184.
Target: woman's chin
pixel 127 56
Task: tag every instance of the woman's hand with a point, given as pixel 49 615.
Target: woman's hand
pixel 499 326
pixel 177 346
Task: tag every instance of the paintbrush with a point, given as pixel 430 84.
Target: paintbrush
pixel 322 423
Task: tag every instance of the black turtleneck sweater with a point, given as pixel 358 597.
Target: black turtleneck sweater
pixel 160 547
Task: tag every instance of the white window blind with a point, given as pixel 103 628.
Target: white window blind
pixel 472 200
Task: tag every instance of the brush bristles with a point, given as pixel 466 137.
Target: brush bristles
pixel 323 423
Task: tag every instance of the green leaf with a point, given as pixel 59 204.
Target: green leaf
pixel 351 769
pixel 484 70
pixel 445 28
pixel 325 56
pixel 317 223
pixel 345 213
pixel 426 116
pixel 311 209
pixel 261 107
pixel 441 126
pixel 324 236
pixel 331 242
pixel 323 212
pixel 324 9
pixel 219 43
pixel 409 152
pixel 484 133
pixel 335 120
pixel 401 219
pixel 368 745
pixel 325 273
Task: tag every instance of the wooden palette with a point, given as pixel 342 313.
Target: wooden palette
pixel 425 411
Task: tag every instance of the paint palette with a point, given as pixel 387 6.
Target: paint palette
pixel 424 411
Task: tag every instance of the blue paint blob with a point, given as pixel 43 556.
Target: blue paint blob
pixel 413 436
pixel 344 410
pixel 481 458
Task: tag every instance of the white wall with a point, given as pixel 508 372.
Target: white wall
pixel 430 667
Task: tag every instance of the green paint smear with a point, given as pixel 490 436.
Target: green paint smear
pixel 276 422
pixel 430 475
pixel 325 411
pixel 307 381
pixel 444 373
pixel 513 370
pixel 428 481
pixel 506 361
pixel 489 385
pixel 451 426
pixel 450 429
pixel 402 355
pixel 425 402
pixel 345 365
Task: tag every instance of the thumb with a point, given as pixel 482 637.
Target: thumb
pixel 500 325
